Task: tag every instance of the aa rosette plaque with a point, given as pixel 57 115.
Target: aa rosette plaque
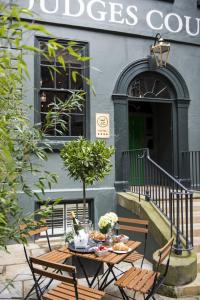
pixel 102 125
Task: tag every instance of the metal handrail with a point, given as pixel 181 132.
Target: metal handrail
pixel 146 177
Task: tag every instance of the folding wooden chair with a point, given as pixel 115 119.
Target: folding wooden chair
pixel 145 281
pixel 68 289
pixel 134 225
pixel 51 256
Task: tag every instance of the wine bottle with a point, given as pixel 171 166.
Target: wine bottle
pixel 76 223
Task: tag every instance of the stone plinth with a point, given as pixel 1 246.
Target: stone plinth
pixel 182 268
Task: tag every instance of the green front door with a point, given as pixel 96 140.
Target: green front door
pixel 136 141
pixel 136 132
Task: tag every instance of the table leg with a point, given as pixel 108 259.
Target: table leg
pixel 96 275
pixel 102 276
pixel 114 277
pixel 104 283
pixel 90 284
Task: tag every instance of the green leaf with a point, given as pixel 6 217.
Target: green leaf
pixel 74 75
pixel 61 61
pixel 31 48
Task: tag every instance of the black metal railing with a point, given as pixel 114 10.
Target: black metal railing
pixel 190 169
pixel 145 177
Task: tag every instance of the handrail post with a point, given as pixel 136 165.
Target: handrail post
pixel 170 211
pixel 187 220
pixel 178 247
pixel 191 219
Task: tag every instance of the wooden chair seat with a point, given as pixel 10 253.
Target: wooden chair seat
pixel 66 291
pixel 146 281
pixel 133 257
pixel 55 256
pixel 138 280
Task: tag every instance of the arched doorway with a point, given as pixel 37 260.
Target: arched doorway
pixel 151 110
pixel 150 117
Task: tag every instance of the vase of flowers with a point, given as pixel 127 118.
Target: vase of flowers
pixel 107 222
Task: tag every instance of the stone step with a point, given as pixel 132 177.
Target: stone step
pixel 196 202
pixel 196 194
pixel 198 261
pixel 196 229
pixel 196 199
pixel 191 289
pixel 196 218
pixel 196 215
pixel 197 244
pixel 196 206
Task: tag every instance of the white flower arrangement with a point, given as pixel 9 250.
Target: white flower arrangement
pixel 107 222
pixel 112 216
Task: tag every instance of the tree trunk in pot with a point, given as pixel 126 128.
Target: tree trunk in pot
pixel 84 201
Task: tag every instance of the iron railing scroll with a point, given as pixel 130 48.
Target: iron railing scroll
pixel 145 177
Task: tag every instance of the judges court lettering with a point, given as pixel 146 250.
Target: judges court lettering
pixel 110 12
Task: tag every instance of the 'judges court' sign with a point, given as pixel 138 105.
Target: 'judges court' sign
pixel 131 16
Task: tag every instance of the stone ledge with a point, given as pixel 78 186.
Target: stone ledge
pixel 158 227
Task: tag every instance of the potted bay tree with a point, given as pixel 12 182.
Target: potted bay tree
pixel 87 161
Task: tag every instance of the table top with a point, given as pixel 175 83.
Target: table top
pixel 110 258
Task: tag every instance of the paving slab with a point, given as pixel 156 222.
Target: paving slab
pixel 11 290
pixel 27 285
pixel 31 246
pixel 18 272
pixel 15 255
pixel 37 252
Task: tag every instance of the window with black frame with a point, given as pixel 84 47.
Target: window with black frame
pixel 59 221
pixel 57 84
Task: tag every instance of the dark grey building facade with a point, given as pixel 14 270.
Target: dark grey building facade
pixel 148 107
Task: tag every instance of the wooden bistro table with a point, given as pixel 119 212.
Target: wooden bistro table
pixel 111 259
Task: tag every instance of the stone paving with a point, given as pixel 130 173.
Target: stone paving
pixel 16 278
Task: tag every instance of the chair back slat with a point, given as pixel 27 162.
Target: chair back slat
pixel 133 221
pixel 32 232
pixel 37 231
pixel 165 254
pixel 133 228
pixel 49 264
pixel 166 250
pixel 52 275
pixel 134 225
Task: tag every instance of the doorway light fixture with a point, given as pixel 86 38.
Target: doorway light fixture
pixel 160 50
